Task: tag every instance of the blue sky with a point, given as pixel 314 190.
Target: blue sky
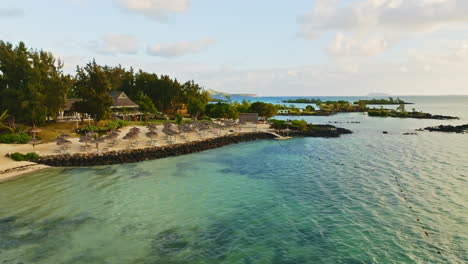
pixel 267 47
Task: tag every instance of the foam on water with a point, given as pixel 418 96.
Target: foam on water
pixel 307 200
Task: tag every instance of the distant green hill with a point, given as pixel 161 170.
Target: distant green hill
pixel 218 93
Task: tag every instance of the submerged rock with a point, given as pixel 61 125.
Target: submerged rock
pixel 448 129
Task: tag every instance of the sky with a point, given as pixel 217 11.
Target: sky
pixel 265 47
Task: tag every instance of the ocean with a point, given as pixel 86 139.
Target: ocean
pixel 367 197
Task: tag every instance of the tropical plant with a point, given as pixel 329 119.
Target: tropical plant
pixel 3 117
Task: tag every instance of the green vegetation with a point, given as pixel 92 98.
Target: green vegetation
pixel 325 107
pixel 3 117
pixel 401 113
pixel 32 84
pixel 264 110
pixel 14 138
pixel 231 110
pixel 341 106
pixel 108 126
pixel 24 157
pixel 299 125
pixel 389 101
pixel 33 88
pixel 303 101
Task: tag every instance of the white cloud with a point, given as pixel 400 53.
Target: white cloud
pixel 11 12
pixel 155 9
pixel 114 44
pixel 345 46
pixel 391 15
pixel 172 50
pixel 392 20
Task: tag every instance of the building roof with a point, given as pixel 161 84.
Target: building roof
pixel 121 100
pixel 248 117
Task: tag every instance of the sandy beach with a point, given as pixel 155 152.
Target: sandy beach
pixel 10 169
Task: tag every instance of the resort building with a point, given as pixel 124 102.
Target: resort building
pixel 248 118
pixel 122 108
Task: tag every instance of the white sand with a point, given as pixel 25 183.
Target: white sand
pixel 10 168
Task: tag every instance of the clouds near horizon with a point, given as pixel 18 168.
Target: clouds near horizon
pixel 345 47
pixel 179 49
pixel 11 12
pixel 155 9
pixel 115 44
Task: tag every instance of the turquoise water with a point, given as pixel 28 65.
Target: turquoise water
pixel 307 200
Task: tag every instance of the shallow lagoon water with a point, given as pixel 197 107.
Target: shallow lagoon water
pixel 307 200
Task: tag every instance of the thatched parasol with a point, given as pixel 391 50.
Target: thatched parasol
pixel 152 126
pixel 97 141
pixel 152 134
pixel 64 142
pixel 34 142
pixel 35 130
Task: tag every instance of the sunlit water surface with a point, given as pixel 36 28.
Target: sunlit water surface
pixel 355 199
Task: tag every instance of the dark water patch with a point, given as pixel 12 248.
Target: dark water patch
pixel 169 243
pixel 354 261
pixel 282 256
pixel 46 236
pixel 308 236
pixel 106 171
pixel 186 168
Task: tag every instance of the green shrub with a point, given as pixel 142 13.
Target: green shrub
pixel 14 138
pixel 298 125
pixel 22 157
pixel 294 124
pixel 113 125
pixel 31 156
pixel 17 156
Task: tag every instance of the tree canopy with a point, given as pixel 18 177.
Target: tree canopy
pixel 32 83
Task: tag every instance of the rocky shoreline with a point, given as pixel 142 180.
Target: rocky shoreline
pixel 448 129
pixel 137 155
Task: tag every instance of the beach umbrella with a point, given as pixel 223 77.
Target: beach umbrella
pixel 152 135
pixel 97 141
pixel 34 131
pixel 34 142
pixel 152 127
pixel 58 139
pixel 64 142
pixel 64 136
pixel 86 140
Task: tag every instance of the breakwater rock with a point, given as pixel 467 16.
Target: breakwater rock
pixel 151 153
pixel 448 129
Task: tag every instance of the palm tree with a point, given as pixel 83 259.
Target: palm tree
pixel 3 117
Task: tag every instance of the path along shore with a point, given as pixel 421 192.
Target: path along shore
pixel 10 169
pixel 121 153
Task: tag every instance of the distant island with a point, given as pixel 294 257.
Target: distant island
pixel 401 113
pixel 214 93
pixel 389 101
pixel 374 101
pixel 302 101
